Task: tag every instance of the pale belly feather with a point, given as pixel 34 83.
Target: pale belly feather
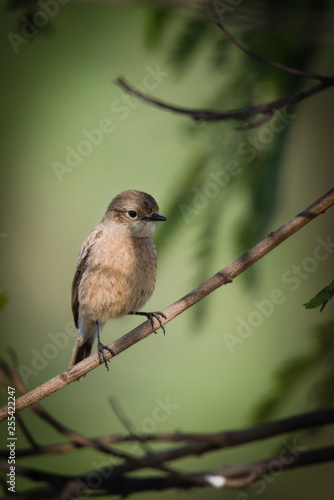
pixel 120 278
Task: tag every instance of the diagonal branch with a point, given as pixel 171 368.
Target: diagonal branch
pixel 223 277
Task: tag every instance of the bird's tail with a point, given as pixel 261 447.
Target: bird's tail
pixel 82 350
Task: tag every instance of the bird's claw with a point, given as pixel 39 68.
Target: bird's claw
pixel 150 316
pixel 101 354
pixel 157 315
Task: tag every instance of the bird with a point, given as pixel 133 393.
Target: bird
pixel 116 270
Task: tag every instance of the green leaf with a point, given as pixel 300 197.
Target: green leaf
pixel 321 298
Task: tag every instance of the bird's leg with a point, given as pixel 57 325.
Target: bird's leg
pixel 101 347
pixel 150 316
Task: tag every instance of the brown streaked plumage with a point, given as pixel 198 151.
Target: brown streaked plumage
pixel 116 269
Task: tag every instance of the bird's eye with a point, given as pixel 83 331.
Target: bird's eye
pixel 132 214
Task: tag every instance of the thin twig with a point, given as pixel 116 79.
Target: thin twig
pixel 128 425
pixel 223 277
pixel 259 58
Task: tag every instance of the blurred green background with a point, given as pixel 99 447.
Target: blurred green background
pixel 60 83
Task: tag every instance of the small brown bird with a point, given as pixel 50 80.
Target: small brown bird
pixel 116 270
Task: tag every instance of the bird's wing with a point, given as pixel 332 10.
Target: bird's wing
pixel 81 267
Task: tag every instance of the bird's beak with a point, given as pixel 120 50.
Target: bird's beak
pixel 156 217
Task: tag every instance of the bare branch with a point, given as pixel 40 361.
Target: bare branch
pixel 266 111
pixel 228 477
pixel 76 438
pixel 201 442
pixel 223 277
pixel 116 479
pixel 254 116
pixel 235 476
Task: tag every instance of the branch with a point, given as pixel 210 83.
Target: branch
pixel 228 477
pixel 116 479
pixel 78 439
pixel 266 111
pixel 200 442
pixel 260 113
pixel 223 277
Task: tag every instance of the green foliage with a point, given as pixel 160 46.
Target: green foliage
pixel 187 42
pixel 3 299
pixel 321 298
pixel 182 194
pixel 318 364
pixel 204 253
pixel 257 152
pixel 158 18
pixel 18 4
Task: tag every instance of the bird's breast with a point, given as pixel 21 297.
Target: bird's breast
pixel 119 278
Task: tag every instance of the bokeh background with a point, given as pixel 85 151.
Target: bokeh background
pixel 61 82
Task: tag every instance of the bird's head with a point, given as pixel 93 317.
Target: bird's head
pixel 134 213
